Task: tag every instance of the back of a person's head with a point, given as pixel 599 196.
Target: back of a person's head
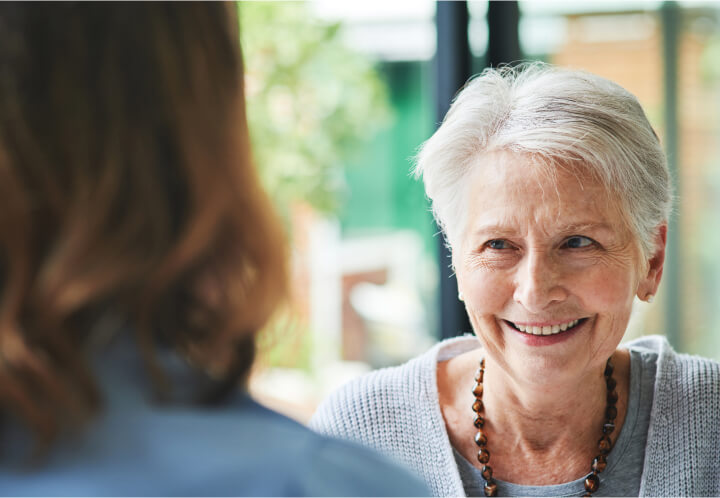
pixel 126 191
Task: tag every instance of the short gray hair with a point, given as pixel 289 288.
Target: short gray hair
pixel 562 117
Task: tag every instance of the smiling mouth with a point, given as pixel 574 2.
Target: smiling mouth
pixel 547 329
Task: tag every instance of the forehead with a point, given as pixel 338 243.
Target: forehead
pixel 518 191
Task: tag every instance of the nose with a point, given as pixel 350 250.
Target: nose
pixel 538 282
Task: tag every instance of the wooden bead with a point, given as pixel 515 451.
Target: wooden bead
pixel 592 483
pixel 612 397
pixel 609 369
pixel 610 383
pixel 486 472
pixel 604 445
pixel 490 489
pixel 483 456
pixel 479 375
pixel 478 389
pixel 608 428
pixel 477 406
pixel 478 421
pixel 599 464
pixel 480 438
pixel 611 412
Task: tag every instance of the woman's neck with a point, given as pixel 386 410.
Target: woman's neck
pixel 538 432
pixel 538 413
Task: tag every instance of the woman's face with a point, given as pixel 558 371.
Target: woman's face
pixel 548 269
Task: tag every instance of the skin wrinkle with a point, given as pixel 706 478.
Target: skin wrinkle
pixel 550 167
pixel 544 404
pixel 565 118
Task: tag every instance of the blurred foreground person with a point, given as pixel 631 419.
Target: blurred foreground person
pixel 138 257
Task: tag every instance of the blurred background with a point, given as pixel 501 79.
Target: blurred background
pixel 341 94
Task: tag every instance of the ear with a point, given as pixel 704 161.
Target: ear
pixel 650 282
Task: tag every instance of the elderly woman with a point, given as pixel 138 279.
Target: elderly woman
pixel 553 193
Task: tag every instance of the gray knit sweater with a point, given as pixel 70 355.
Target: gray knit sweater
pixel 396 411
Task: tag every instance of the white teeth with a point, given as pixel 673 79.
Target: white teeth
pixel 547 329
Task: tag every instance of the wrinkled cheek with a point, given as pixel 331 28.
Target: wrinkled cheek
pixel 486 295
pixel 488 332
pixel 609 292
pixel 485 298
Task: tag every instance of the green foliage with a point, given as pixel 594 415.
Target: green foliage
pixel 709 61
pixel 285 342
pixel 311 102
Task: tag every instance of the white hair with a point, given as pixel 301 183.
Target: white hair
pixel 562 117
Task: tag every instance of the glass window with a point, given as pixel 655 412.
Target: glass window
pixel 340 97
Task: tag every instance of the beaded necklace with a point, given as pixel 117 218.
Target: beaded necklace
pixel 592 480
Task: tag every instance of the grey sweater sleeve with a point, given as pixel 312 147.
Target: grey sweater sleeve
pixel 682 456
pixel 396 412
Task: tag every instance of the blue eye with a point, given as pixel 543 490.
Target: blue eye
pixel 498 244
pixel 578 242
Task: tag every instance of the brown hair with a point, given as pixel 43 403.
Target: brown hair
pixel 126 188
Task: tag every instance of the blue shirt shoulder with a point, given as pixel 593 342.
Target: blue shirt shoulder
pixel 137 447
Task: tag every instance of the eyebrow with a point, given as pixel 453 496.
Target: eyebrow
pixel 585 227
pixel 501 230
